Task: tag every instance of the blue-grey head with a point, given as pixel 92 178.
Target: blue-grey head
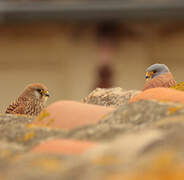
pixel 156 70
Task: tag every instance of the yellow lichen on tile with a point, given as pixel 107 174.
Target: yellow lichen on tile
pixel 50 121
pixel 164 167
pixel 31 125
pixel 179 86
pixel 104 116
pixel 173 110
pixel 24 115
pixel 28 136
pixel 48 164
pixel 43 119
pixel 162 101
pixel 44 114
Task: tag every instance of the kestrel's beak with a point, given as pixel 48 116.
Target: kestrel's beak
pixel 148 75
pixel 47 93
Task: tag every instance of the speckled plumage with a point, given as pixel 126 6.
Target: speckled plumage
pixel 30 102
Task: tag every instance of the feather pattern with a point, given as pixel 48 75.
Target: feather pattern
pixel 165 80
pixel 28 103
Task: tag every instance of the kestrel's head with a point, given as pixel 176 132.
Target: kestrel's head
pixel 37 91
pixel 156 70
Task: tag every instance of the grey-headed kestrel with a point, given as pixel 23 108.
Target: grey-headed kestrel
pixel 31 101
pixel 158 75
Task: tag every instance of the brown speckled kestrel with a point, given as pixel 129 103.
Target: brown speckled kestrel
pixel 158 75
pixel 31 101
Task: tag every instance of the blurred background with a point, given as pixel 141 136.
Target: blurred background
pixel 75 46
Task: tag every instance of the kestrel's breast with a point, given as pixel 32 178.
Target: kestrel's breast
pixel 34 108
pixel 165 80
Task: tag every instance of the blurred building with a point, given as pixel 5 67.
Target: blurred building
pixel 74 46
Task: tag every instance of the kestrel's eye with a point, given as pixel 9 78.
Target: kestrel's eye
pixel 154 71
pixel 39 90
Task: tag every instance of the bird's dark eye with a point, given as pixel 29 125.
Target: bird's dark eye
pixel 39 90
pixel 154 71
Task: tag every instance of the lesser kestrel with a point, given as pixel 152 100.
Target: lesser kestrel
pixel 31 101
pixel 158 75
